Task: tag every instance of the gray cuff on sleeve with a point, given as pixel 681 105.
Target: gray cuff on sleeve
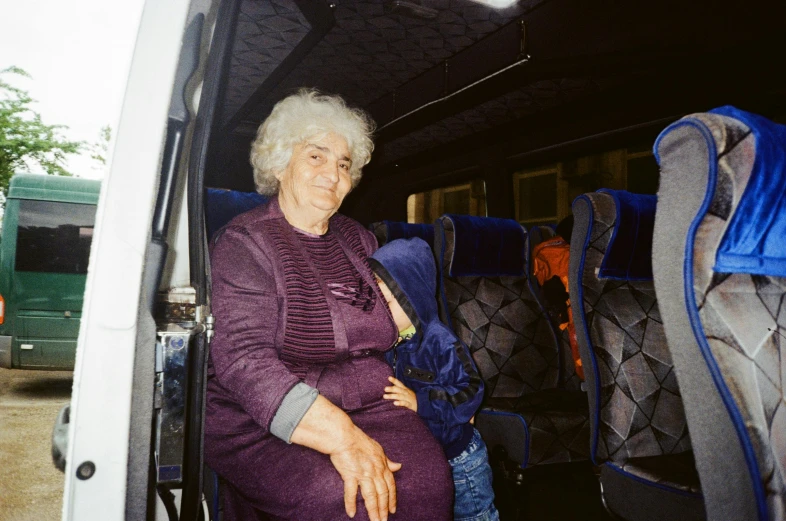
pixel 292 409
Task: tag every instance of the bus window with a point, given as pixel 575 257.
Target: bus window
pixel 467 199
pixel 544 195
pixel 535 193
pixel 643 172
pixel 54 237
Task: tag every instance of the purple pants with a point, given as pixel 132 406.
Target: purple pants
pixel 291 482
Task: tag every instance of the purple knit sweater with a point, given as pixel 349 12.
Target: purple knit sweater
pixel 287 305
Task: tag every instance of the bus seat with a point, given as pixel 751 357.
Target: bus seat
pixel 221 206
pixel 386 231
pixel 568 378
pixel 485 298
pixel 719 254
pixel 638 429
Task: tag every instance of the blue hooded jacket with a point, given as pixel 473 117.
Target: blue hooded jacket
pixel 434 363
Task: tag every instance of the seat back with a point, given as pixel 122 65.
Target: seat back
pixel 386 231
pixel 568 378
pixel 221 206
pixel 719 255
pixel 487 301
pixel 635 404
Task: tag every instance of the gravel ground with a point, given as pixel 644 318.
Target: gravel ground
pixel 31 489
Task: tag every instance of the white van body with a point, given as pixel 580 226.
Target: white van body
pixel 103 375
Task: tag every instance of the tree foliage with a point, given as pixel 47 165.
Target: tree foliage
pixel 99 151
pixel 25 140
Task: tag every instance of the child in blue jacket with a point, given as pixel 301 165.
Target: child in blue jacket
pixel 435 375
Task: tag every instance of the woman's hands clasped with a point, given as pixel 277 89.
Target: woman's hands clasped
pixel 359 460
pixel 362 463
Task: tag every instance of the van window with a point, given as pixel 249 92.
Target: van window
pixel 54 237
pixel 465 199
pixel 535 193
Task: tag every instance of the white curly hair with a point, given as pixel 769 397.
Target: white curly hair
pixel 303 116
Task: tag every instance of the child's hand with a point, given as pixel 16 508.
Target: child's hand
pixel 401 395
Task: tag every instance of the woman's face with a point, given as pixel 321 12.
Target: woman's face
pixel 317 176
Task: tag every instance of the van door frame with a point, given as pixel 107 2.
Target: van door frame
pixel 97 474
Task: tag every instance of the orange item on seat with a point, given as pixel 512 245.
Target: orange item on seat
pixel 551 258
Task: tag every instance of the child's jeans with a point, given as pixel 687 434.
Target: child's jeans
pixel 472 481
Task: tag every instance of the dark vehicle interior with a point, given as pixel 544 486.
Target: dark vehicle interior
pixel 508 110
pixel 461 90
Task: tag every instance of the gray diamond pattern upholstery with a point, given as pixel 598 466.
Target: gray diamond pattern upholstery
pixel 514 348
pixel 744 318
pixel 638 420
pixel 504 327
pixel 626 354
pixel 739 318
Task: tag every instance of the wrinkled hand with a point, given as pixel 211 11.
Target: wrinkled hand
pixel 401 395
pixel 363 463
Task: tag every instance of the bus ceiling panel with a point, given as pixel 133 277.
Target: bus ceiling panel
pixel 270 39
pixel 502 101
pixel 432 91
pixel 566 39
pixel 373 52
pixel 574 127
pixel 371 49
pixel 533 98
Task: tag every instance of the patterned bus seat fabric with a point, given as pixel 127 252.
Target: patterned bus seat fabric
pixel 486 299
pixel 719 257
pixel 221 206
pixel 639 431
pixel 386 231
pixel 568 378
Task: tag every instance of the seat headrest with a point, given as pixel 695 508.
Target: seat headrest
pixel 538 234
pixel 629 254
pixel 483 246
pixel 401 230
pixel 755 240
pixel 221 206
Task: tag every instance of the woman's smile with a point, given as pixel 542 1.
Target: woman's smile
pixel 315 182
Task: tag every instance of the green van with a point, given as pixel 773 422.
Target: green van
pixel 44 252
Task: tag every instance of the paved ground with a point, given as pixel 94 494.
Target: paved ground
pixel 31 488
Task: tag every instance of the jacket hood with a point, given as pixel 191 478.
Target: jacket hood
pixel 407 267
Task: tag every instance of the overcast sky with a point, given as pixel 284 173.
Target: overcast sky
pixel 78 54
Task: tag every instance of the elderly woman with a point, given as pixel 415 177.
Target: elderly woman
pixel 296 422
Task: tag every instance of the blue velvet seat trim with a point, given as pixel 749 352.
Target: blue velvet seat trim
pixel 649 483
pixel 221 206
pixel 577 303
pixel 402 230
pixel 755 240
pixel 693 311
pixel 487 247
pixel 629 255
